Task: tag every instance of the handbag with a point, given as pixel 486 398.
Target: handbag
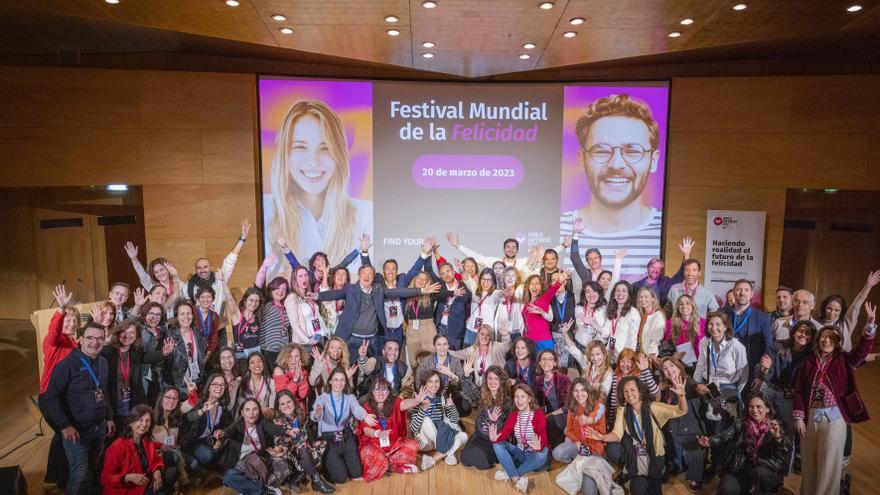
pixel 254 468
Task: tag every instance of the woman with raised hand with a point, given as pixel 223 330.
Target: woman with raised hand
pixel 759 452
pixel 529 450
pixel 494 403
pixel 636 443
pixel 483 305
pixel 303 455
pixel 833 310
pixel 246 320
pixel 630 364
pixel 826 399
pixel 551 391
pixel 420 328
pixel 484 353
pixel 590 316
pixel 385 447
pixel 335 354
pixel 188 357
pixel 257 383
pixel 509 314
pixel 450 370
pixel 212 412
pixel 652 324
pixel 308 328
pixel 522 367
pixel 622 320
pixel 334 411
pixel 162 272
pixel 585 410
pixel 594 361
pixel 133 462
pixel 339 278
pixel 435 423
pixel 686 327
pixel 153 332
pixel 249 434
pixel 290 373
pixel 536 309
pixel 59 341
pixel 167 428
pixel 682 450
pixel 318 264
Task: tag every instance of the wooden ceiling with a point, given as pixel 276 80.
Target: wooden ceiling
pixel 473 38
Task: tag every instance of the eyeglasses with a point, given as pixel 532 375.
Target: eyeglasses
pixel 171 398
pixel 93 338
pixel 631 153
pixel 154 314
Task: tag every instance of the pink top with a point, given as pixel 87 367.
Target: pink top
pixel 537 328
pixel 683 337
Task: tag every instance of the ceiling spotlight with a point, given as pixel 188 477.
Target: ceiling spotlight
pixel 524 56
pixel 674 34
pixel 428 55
pixel 278 17
pixel 391 18
pixel 429 4
pixel 286 30
pixel 529 46
pixel 428 44
pixel 545 5
pixel 740 6
pixel 577 21
pixel 232 3
pixel 687 22
pixel 393 32
pixel 114 2
pixel 854 8
pixel 569 34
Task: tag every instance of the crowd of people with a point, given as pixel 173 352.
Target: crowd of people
pixel 313 378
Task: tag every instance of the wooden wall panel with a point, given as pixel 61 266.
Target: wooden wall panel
pixel 18 263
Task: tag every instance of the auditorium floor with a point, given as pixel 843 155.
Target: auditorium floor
pixel 19 419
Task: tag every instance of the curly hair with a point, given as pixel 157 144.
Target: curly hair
pixel 283 359
pixel 620 105
pixel 385 410
pixel 504 396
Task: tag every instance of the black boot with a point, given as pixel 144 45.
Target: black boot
pixel 319 484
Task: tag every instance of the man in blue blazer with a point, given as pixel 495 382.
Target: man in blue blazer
pixel 453 306
pixel 750 325
pixel 364 314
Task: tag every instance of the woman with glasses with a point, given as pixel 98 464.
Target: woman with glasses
pixel 188 358
pixel 551 391
pixel 153 331
pixel 166 431
pixel 385 447
pixel 211 413
pixel 508 315
pixel 227 366
pixel 483 305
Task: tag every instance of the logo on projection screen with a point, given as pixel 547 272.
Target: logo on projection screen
pixel 717 220
pixel 724 222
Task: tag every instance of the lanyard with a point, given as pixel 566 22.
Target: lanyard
pixel 126 369
pixel 522 426
pixel 205 321
pixel 313 306
pixel 242 326
pixel 482 358
pixel 713 357
pixel 561 307
pixel 213 421
pixel 389 370
pixel 480 305
pixel 738 323
pixel 443 377
pixel 688 292
pixel 614 326
pixel 250 438
pixel 523 372
pixel 638 427
pixel 337 415
pixel 383 421
pixel 548 386
pixel 260 390
pixel 192 339
pixel 414 306
pixel 88 366
pixel 282 312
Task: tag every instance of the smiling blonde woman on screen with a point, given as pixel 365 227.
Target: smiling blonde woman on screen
pixel 310 204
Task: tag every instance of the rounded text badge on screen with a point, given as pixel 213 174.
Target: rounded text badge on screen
pixel 467 171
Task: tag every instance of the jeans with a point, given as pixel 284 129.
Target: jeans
pixel 82 457
pixel 565 452
pixel 233 478
pixel 517 462
pixel 470 337
pixel 199 455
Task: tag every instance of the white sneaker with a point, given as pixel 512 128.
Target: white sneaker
pixel 522 484
pixel 427 462
pixel 501 475
pixel 451 460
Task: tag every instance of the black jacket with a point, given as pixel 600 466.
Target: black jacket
pixel 196 424
pixel 771 454
pixel 234 438
pixel 137 358
pixel 70 398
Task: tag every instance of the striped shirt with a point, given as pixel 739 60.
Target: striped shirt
pixel 642 243
pixel 273 336
pixel 435 413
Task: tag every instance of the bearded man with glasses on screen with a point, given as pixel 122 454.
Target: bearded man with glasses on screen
pixel 619 141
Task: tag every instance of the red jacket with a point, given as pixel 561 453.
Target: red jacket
pixel 539 424
pixel 299 389
pixel 121 458
pixel 56 346
pixel 841 379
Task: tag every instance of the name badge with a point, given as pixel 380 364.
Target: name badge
pixel 478 322
pixel 384 439
pixel 338 437
pixel 641 449
pixel 148 373
pixel 392 311
pixel 316 326
pixel 99 396
pixel 194 371
pixel 125 394
pixel 415 324
pixel 611 343
pixel 168 440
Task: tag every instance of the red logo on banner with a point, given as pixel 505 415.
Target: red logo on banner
pixel 717 221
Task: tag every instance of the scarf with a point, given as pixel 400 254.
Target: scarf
pixel 196 282
pixel 755 434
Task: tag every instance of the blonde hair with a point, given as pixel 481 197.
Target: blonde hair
pixel 606 365
pixel 339 213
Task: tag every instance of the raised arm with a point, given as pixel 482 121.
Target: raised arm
pixel 231 306
pixel 481 259
pixel 858 355
pixel 851 319
pixel 260 279
pixel 687 244
pixel 132 251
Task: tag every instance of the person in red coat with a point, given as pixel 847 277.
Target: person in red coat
pixel 825 401
pixel 530 448
pixel 133 462
pixel 290 372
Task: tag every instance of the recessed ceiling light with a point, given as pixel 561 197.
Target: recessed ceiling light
pixel 529 46
pixel 740 6
pixel 674 34
pixel 577 21
pixel 278 17
pixel 545 5
pixel 524 56
pixel 569 34
pixel 391 18
pixel 428 55
pixel 286 30
pixel 428 44
pixel 854 8
pixel 687 22
pixel 232 3
pixel 429 4
pixel 112 2
pixel 393 32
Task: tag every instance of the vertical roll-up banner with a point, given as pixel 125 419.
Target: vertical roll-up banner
pixel 734 250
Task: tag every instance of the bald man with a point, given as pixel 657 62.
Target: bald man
pixel 803 302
